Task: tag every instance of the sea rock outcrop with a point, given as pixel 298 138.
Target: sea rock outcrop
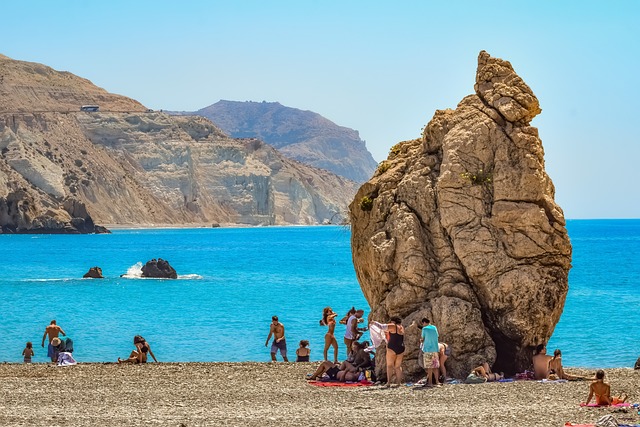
pixel 159 269
pixel 93 273
pixel 460 226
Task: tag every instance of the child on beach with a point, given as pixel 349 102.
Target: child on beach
pixel 28 352
pixel 303 351
pixel 602 391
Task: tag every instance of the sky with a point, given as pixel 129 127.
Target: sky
pixel 380 67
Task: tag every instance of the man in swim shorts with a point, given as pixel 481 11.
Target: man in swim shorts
pixel 277 330
pixel 53 331
pixel 431 355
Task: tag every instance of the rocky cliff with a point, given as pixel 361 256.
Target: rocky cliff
pixel 62 169
pixel 301 135
pixel 460 226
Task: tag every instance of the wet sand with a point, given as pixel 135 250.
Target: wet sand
pixel 267 394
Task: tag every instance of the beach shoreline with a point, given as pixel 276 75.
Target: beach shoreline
pixel 276 394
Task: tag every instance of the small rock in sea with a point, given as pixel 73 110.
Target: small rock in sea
pixel 159 269
pixel 93 273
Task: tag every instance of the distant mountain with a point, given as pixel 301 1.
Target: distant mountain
pixel 62 170
pixel 301 135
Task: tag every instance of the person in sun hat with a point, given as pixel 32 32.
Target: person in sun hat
pixel 61 345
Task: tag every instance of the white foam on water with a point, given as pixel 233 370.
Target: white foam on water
pixel 134 272
pixel 189 277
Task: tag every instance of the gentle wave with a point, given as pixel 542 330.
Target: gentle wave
pixel 135 272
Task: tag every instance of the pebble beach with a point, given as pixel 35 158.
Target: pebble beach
pixel 276 394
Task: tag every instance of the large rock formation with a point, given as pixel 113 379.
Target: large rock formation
pixel 301 135
pixel 460 226
pixel 62 169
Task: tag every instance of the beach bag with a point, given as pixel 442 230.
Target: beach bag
pixel 607 421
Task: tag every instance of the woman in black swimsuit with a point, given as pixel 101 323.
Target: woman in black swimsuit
pixel 395 350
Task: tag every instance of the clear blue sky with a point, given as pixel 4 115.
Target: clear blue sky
pixel 381 68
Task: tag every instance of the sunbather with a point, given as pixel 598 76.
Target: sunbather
pixel 602 392
pixel 541 362
pixel 483 372
pixel 556 371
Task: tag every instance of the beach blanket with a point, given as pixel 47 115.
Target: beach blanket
pixel 553 381
pixel 617 405
pixel 339 384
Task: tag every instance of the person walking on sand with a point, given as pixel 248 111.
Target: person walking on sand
pixel 28 352
pixel 53 331
pixel 329 320
pixel 277 330
pixel 431 355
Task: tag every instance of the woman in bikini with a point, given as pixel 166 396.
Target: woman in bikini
pixel 329 320
pixel 602 392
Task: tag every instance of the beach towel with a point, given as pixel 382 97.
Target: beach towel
pixel 66 359
pixel 617 405
pixel 339 384
pixel 377 335
pixel 553 381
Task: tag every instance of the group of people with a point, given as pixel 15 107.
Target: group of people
pixel 434 353
pixel 60 348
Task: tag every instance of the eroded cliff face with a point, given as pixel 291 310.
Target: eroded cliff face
pixel 132 166
pixel 460 226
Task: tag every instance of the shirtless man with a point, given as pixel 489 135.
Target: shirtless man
pixel 541 362
pixel 279 343
pixel 53 330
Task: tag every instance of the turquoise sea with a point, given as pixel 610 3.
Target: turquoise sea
pixel 232 280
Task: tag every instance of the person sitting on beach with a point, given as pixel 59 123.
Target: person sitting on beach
pixel 556 371
pixel 483 374
pixel 140 354
pixel 541 362
pixel 329 320
pixel 279 343
pixel 303 351
pixel 361 358
pixel 602 392
pixel 333 373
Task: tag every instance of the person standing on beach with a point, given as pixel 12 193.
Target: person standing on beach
pixel 277 330
pixel 28 352
pixel 431 354
pixel 53 331
pixel 329 320
pixel 353 332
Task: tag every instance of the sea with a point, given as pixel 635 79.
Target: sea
pixel 231 281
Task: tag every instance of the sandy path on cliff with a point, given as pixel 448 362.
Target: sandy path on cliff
pixel 265 394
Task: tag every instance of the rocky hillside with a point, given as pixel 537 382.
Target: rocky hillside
pixel 460 226
pixel 61 170
pixel 301 135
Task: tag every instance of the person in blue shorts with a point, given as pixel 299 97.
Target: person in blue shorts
pixel 279 343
